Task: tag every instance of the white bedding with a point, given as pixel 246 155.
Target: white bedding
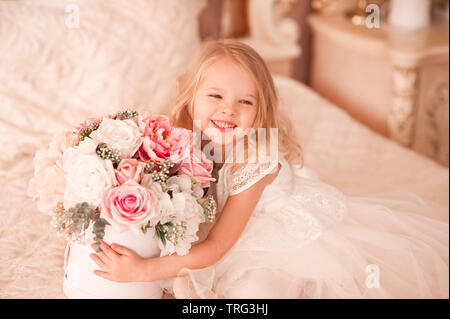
pixel 56 91
pixel 353 157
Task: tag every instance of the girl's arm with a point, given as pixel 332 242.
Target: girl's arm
pixel 223 235
pixel 221 238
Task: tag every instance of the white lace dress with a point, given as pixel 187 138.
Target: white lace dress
pixel 306 239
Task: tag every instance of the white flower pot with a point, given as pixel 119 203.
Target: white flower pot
pixel 80 282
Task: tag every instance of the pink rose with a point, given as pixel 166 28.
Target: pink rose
pixel 199 167
pixel 48 183
pixel 153 124
pixel 155 129
pixel 162 141
pixel 48 187
pixel 130 169
pixel 181 141
pixel 63 141
pixel 129 206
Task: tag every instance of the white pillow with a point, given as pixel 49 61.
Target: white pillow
pixel 124 54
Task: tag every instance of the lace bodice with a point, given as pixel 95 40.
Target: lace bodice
pixel 297 192
pixel 234 181
pixel 248 175
pixel 296 200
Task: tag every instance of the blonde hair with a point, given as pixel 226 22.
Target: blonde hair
pixel 268 115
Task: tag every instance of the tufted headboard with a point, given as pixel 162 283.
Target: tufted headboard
pixel 63 60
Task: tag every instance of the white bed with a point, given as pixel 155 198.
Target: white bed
pixel 51 77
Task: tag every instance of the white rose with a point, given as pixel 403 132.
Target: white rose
pixel 164 210
pixel 187 210
pixel 179 183
pixel 87 175
pixel 123 135
pixel 197 191
pixel 193 215
pixel 182 207
pixel 148 182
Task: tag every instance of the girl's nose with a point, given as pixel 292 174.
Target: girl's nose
pixel 228 108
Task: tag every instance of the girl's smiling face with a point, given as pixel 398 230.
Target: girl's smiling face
pixel 226 99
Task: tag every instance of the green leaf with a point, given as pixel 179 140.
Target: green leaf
pixel 163 240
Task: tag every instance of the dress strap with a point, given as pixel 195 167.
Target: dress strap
pixel 249 175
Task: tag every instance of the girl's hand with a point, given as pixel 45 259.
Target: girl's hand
pixel 118 263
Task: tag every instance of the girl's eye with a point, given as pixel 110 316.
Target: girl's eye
pixel 217 96
pixel 247 102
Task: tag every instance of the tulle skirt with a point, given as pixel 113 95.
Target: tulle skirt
pixel 392 245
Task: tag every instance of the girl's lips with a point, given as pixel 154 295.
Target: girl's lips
pixel 223 128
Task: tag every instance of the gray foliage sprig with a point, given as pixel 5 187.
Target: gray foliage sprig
pixel 127 114
pixel 59 220
pixel 98 229
pixel 72 223
pixel 106 152
pixel 209 207
pixel 87 131
pixel 159 171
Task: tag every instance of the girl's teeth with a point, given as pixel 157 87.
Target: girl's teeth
pixel 223 125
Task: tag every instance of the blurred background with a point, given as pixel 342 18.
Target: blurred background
pixel 385 62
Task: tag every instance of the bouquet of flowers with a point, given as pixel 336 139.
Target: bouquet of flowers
pixel 126 171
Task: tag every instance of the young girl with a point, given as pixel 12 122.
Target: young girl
pixel 280 231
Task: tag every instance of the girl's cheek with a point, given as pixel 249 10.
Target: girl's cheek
pixel 204 125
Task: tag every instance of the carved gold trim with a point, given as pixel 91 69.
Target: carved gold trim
pixel 318 5
pixel 401 119
pixel 437 111
pixel 283 8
